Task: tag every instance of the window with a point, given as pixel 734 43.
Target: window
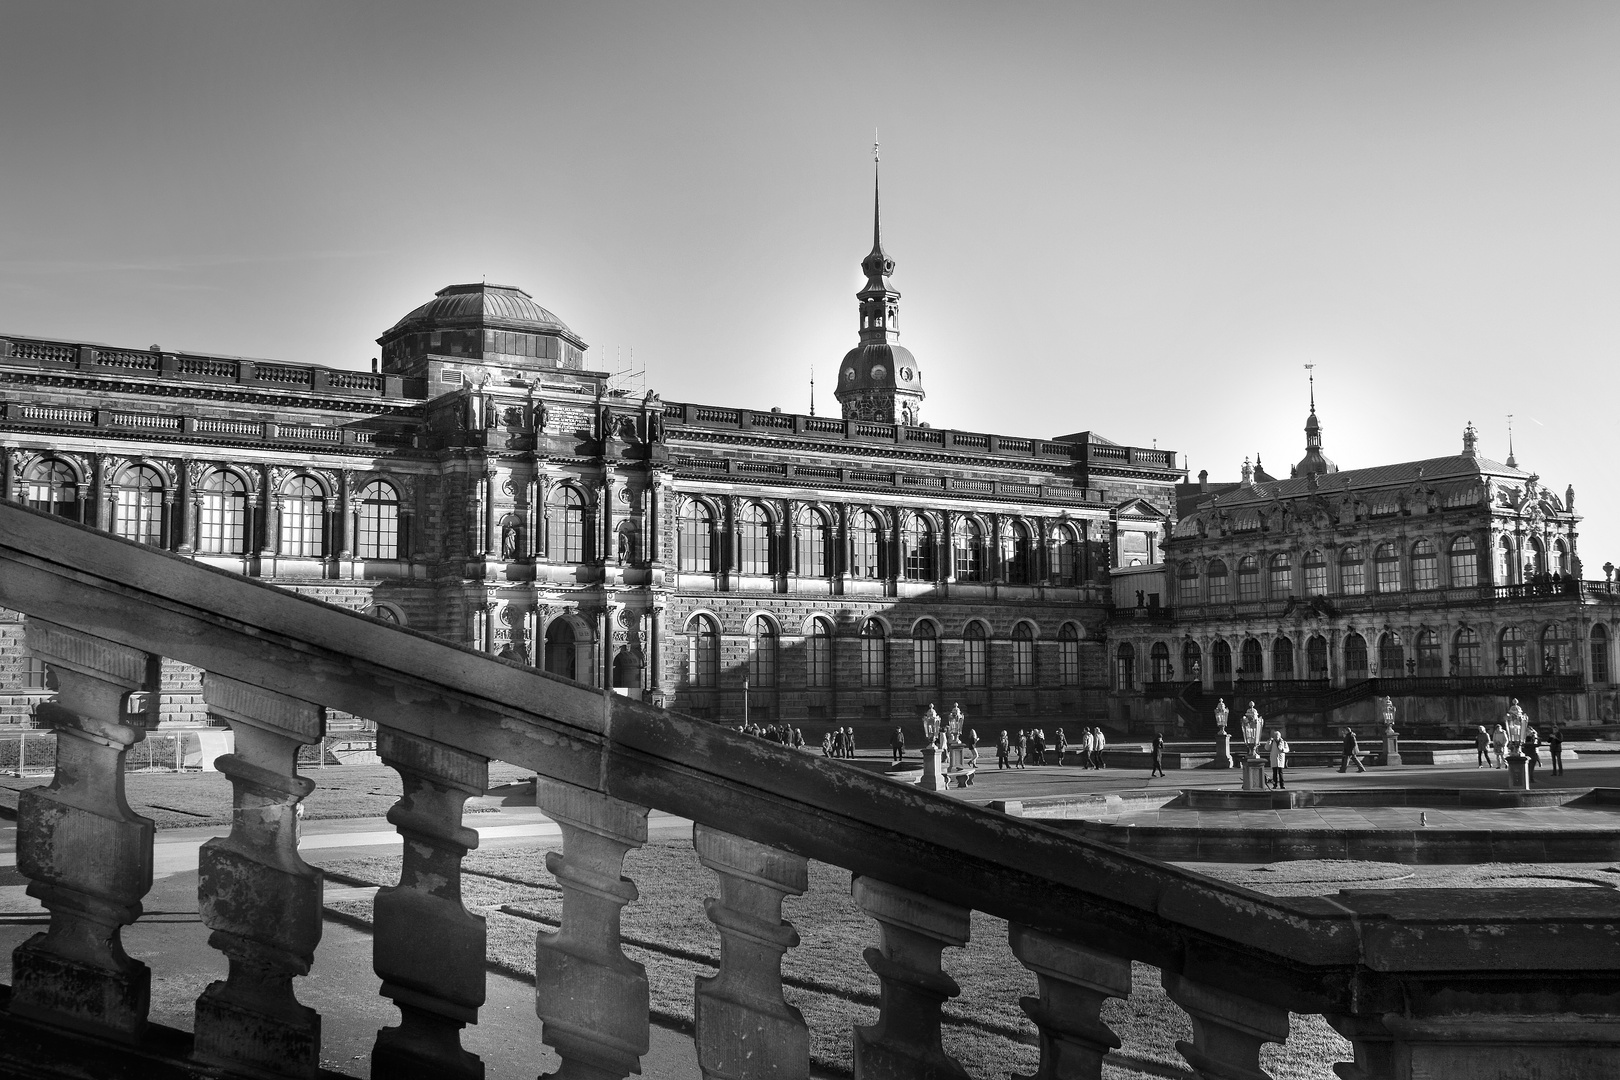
pixel 302 508
pixel 1220 658
pixel 1282 659
pixel 1218 593
pixel 1425 565
pixel 377 522
pixel 1355 658
pixel 1187 584
pixel 1282 577
pixel 1069 655
pixel 818 648
pixel 1315 567
pixel 976 654
pixel 969 549
pixel 1192 665
pixel 1067 553
pixel 924 655
pixel 1159 661
pixel 37 675
pixel 223 522
pixel 1387 561
pixel 570 506
pixel 874 655
pixel 1252 660
pixel 1464 562
pixel 919 550
pixel 1505 562
pixel 1428 652
pixel 560 648
pixel 1352 571
pixel 762 652
pixel 1513 660
pixel 53 488
pixel 703 652
pixel 697 538
pixel 865 547
pixel 1248 578
pixel 812 545
pixel 1316 658
pixel 1023 655
pixel 1020 555
pixel 1600 654
pixel 1560 556
pixel 1557 651
pixel 1535 558
pixel 754 540
pixel 1125 667
pixel 1466 655
pixel 1391 656
pixel 138 511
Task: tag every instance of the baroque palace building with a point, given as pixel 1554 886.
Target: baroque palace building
pixel 1450 584
pixel 484 485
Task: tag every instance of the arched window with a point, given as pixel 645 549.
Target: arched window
pixel 1513 659
pixel 697 538
pixel 1023 655
pixel 874 655
pixel 1560 556
pixel 703 652
pixel 1466 653
pixel 969 551
pixel 1315 567
pixel 1316 657
pixel 976 654
pixel 1428 652
pixel 1187 584
pixel 1387 562
pixel 1600 654
pixel 1125 667
pixel 1425 565
pixel 1248 578
pixel 754 540
pixel 1220 659
pixel 1020 555
pixel 1391 656
pixel 762 638
pixel 1535 558
pixel 1464 563
pixel 221 527
pixel 1192 660
pixel 1067 553
pixel 1355 658
pixel 1252 664
pixel 925 654
pixel 569 539
pixel 919 539
pixel 138 509
pixel 1557 651
pixel 302 513
pixel 818 650
pixel 1159 661
pixel 1282 577
pixel 627 669
pixel 560 648
pixel 1069 654
pixel 1505 562
pixel 377 522
pixel 54 488
pixel 865 546
pixel 1282 659
pixel 812 545
pixel 1218 590
pixel 1352 571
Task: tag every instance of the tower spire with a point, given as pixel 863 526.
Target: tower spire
pixel 1312 376
pixel 1510 462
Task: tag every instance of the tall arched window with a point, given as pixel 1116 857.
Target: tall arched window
pixel 1219 593
pixel 1316 657
pixel 1282 659
pixel 919 539
pixel 1428 653
pixel 976 654
pixel 1125 667
pixel 377 522
pixel 697 538
pixel 569 539
pixel 1023 655
pixel 762 638
pixel 1248 578
pixel 1352 571
pixel 754 540
pixel 1464 563
pixel 813 545
pixel 1425 565
pixel 1513 659
pixel 1067 554
pixel 1505 562
pixel 1557 651
pixel 818 650
pixel 560 649
pixel 302 513
pixel 874 655
pixel 54 488
pixel 1560 556
pixel 1387 562
pixel 221 527
pixel 1159 661
pixel 969 551
pixel 1020 555
pixel 703 652
pixel 1252 659
pixel 1391 656
pixel 1187 584
pixel 1069 654
pixel 138 510
pixel 1600 654
pixel 925 654
pixel 1355 658
pixel 1316 578
pixel 1282 577
pixel 1220 660
pixel 1466 652
pixel 1535 558
pixel 1192 660
pixel 865 546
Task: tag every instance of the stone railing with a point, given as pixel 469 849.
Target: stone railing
pixel 1423 983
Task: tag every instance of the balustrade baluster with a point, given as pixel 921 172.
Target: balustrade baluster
pixel 1373 1045
pixel 592 999
pixel 428 949
pixel 1228 1029
pixel 1074 982
pixel 914 930
pixel 262 902
pixel 87 855
pixel 746 1030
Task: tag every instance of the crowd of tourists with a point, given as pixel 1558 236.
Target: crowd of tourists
pixel 1029 746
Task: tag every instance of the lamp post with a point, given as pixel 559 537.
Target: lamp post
pixel 1254 766
pixel 1518 765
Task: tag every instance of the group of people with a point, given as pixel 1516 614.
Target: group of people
pixel 1029 747
pixel 1492 747
pixel 785 734
pixel 839 742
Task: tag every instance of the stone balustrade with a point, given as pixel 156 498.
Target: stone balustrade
pixel 1423 984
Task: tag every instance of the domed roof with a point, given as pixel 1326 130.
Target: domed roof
pixel 879 364
pixel 480 304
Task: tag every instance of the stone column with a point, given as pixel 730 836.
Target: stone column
pixel 1074 982
pixel 262 902
pixel 745 1029
pixel 914 930
pixel 1228 1029
pixel 655 651
pixel 591 998
pixel 491 542
pixel 87 856
pixel 343 519
pixel 428 949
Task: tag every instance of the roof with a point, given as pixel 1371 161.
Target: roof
pixel 478 305
pixel 1431 470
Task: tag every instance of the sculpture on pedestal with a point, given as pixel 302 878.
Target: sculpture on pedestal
pixel 953 724
pixel 1389 717
pixel 1253 724
pixel 930 723
pixel 1221 713
pixel 1223 741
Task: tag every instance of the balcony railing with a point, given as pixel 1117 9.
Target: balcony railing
pixel 1423 983
pixel 1566 588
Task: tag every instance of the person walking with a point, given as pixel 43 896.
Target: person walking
pixel 849 741
pixel 1350 751
pixel 1023 747
pixel 1555 747
pixel 1101 745
pixel 1532 741
pixel 1086 747
pixel 1499 745
pixel 1482 747
pixel 798 739
pixel 1062 745
pixel 897 745
pixel 1003 749
pixel 1037 745
pixel 972 744
pixel 1158 754
pixel 1278 752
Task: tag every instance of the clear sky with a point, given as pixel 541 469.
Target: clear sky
pixel 1137 217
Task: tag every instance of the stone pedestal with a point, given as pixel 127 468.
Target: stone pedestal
pixel 1518 770
pixel 933 777
pixel 1392 748
pixel 1223 750
pixel 1254 774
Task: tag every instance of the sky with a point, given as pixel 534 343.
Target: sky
pixel 1141 218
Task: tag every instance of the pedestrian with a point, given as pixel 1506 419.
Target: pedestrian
pixel 1037 745
pixel 1158 754
pixel 827 744
pixel 1023 747
pixel 1351 752
pixel 897 745
pixel 1087 745
pixel 1097 750
pixel 1278 751
pixel 1003 748
pixel 1531 741
pixel 798 739
pixel 1499 745
pixel 849 740
pixel 1555 747
pixel 972 743
pixel 1482 747
pixel 1063 745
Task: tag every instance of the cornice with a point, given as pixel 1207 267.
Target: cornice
pixel 209 392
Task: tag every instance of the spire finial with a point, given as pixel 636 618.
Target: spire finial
pixel 1312 376
pixel 877 215
pixel 812 389
pixel 1510 462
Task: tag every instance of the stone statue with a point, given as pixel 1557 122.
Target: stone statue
pixel 1516 722
pixel 930 722
pixel 1221 713
pixel 1389 716
pixel 954 722
pixel 509 540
